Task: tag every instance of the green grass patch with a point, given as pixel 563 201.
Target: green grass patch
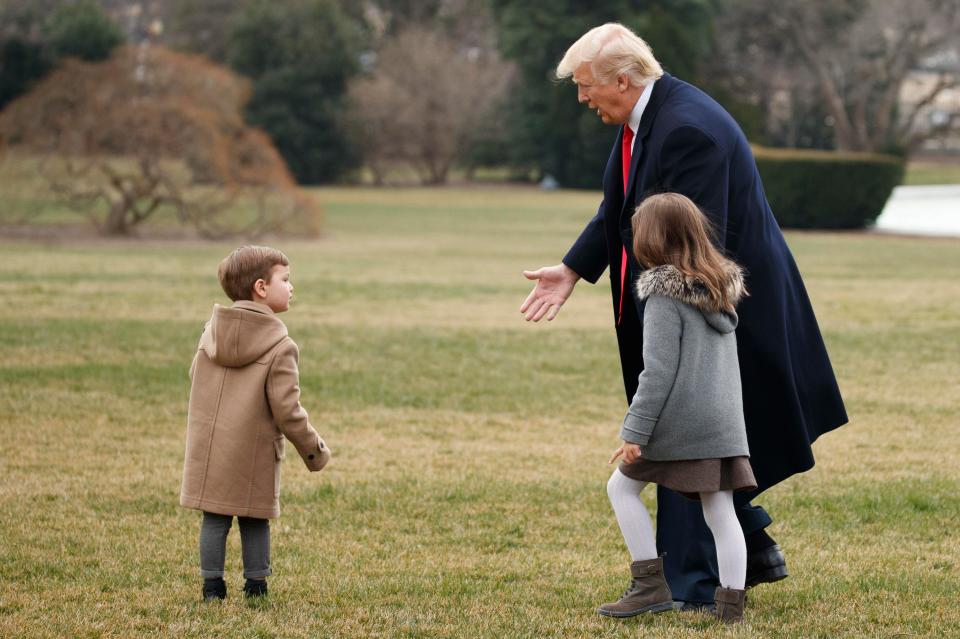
pixel 929 172
pixel 466 497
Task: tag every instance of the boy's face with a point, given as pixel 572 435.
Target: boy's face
pixel 277 291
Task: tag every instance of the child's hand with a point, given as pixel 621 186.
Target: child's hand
pixel 630 452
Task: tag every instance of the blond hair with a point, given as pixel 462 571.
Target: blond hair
pixel 612 50
pixel 668 228
pixel 240 270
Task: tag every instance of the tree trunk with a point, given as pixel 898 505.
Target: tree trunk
pixel 844 137
pixel 116 222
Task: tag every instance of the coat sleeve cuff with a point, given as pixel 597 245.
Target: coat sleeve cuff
pixel 319 457
pixel 637 429
pixel 582 269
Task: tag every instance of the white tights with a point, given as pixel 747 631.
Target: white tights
pixel 718 511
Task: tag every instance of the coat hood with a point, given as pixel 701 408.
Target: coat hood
pixel 241 334
pixel 668 281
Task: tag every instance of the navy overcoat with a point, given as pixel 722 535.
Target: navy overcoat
pixel 687 143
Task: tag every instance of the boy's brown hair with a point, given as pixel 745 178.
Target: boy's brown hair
pixel 244 266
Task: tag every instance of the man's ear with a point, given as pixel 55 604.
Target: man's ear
pixel 623 82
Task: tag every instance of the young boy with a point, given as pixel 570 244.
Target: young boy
pixel 244 399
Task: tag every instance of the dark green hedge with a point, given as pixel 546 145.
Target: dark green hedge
pixel 824 189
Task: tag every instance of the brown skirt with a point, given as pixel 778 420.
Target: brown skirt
pixel 690 477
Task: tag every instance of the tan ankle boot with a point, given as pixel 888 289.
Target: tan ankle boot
pixel 648 591
pixel 728 605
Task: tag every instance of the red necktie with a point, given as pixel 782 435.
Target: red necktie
pixel 626 151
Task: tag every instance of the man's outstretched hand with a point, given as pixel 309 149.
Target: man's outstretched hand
pixel 554 285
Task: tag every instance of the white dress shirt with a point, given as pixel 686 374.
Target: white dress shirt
pixel 637 113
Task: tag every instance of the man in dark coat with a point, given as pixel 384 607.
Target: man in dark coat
pixel 673 137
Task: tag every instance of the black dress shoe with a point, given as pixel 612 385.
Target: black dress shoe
pixel 766 566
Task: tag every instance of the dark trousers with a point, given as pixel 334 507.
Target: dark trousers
pixel 254 543
pixel 690 564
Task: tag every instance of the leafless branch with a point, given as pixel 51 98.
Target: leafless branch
pixel 114 146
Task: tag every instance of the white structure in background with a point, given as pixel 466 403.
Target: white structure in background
pixel 942 69
pixel 930 210
pixel 922 210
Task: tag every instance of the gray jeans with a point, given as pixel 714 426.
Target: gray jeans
pixel 254 540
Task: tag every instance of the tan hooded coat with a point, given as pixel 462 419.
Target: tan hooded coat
pixel 244 399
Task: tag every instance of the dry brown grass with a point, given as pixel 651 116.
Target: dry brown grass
pixel 466 498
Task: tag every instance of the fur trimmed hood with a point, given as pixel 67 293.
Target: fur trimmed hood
pixel 668 281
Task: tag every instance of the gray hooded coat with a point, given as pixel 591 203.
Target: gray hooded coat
pixel 688 403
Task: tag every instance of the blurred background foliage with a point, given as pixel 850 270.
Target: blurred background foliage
pixel 362 91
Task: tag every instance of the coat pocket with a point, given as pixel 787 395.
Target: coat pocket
pixel 278 447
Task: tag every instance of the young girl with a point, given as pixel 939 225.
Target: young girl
pixel 684 429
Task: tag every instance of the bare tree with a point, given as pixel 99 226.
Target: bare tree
pixel 200 27
pixel 150 128
pixel 852 57
pixel 424 103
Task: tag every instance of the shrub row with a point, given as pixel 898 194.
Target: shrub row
pixel 827 190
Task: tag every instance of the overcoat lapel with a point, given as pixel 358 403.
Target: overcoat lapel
pixel 613 180
pixel 657 98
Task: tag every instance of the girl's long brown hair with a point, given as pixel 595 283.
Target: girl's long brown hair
pixel 668 228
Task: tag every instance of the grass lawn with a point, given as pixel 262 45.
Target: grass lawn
pixel 466 497
pixel 920 172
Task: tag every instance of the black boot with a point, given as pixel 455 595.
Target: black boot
pixel 214 588
pixel 255 588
